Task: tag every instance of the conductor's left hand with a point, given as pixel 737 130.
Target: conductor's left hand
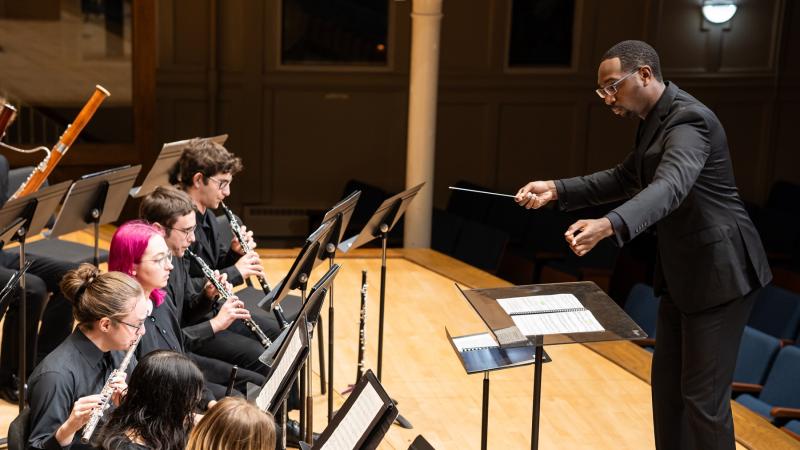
pixel 584 234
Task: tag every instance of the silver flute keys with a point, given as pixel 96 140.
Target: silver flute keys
pixel 225 294
pixel 106 392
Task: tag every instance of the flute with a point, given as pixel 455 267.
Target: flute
pixel 237 231
pixel 106 392
pixel 226 294
pixel 362 325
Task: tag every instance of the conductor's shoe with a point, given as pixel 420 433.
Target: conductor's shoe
pixel 294 435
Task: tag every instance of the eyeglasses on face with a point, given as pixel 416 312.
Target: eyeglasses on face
pixel 221 183
pixel 163 261
pixel 136 328
pixel 186 231
pixel 613 88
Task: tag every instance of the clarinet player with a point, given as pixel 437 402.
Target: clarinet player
pixel 110 309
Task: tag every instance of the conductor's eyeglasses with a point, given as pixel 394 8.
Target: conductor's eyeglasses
pixel 613 88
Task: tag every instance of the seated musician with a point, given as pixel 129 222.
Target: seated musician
pixel 139 249
pixel 158 410
pixel 205 171
pixel 110 309
pixel 227 422
pixel 56 313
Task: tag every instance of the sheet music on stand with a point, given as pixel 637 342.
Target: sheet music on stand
pixel 284 367
pixel 159 173
pixel 362 421
pixel 536 315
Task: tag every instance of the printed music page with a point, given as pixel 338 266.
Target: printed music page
pixel 474 342
pixel 557 323
pixel 270 389
pixel 539 303
pixel 355 422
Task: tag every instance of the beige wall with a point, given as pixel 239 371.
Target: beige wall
pixel 304 133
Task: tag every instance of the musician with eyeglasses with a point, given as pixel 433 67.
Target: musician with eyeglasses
pixel 710 263
pixel 110 309
pixel 205 172
pixel 169 211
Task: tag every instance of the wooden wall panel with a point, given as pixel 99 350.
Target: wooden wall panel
pixel 466 36
pixel 233 48
pixel 607 18
pixel 190 34
pixel 787 149
pixel 750 44
pixel 528 148
pixel 744 123
pixel 609 138
pixel 464 148
pixel 682 46
pixel 322 139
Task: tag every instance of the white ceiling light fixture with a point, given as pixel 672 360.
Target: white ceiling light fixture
pixel 718 11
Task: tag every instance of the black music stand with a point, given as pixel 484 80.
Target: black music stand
pixel 341 214
pixel 95 199
pixel 615 324
pixel 159 173
pixel 368 400
pixel 35 209
pixel 297 278
pixel 485 355
pixel 379 225
pixel 287 363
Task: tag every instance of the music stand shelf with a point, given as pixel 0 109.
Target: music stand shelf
pixel 487 359
pixel 615 323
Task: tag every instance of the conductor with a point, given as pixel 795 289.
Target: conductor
pixel 710 265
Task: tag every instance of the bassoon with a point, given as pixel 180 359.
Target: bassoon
pixel 7 115
pixel 43 170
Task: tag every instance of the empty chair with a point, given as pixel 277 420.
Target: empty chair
pixel 505 214
pixel 776 312
pixel 642 307
pixel 793 429
pixel 757 350
pixel 597 265
pixel 780 396
pixel 445 231
pixel 481 246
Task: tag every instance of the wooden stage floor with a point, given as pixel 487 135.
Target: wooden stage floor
pixel 594 396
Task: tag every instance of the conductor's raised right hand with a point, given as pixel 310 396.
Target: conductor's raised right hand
pixel 536 194
pixel 233 309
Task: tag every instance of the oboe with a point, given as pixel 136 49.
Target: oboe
pixel 106 392
pixel 226 294
pixel 362 325
pixel 237 231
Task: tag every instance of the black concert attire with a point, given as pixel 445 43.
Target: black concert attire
pixel 42 277
pixel 218 254
pixel 75 369
pixel 710 263
pixel 214 353
pixel 128 445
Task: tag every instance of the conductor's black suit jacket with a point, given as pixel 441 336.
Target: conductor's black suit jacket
pixel 679 178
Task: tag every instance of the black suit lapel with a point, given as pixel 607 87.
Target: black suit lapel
pixel 652 124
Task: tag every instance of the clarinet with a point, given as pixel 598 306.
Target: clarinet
pixel 225 294
pixel 237 231
pixel 362 325
pixel 106 392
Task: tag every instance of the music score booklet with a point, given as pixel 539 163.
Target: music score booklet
pixel 538 315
